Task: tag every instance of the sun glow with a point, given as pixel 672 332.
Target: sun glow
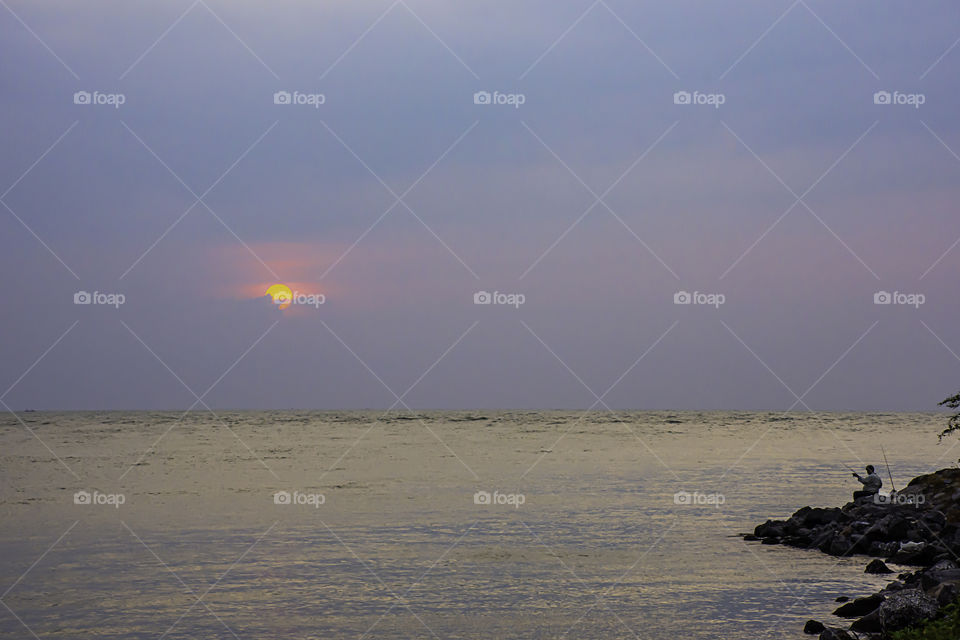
pixel 280 294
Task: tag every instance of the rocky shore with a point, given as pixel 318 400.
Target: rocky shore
pixel 918 526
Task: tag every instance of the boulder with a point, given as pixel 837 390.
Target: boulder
pixel 895 527
pixel 869 623
pixel 944 594
pixel 915 555
pixel 939 491
pixel 880 549
pixel 906 608
pixel 877 566
pixel 916 535
pixel 921 527
pixel 860 606
pixel 813 627
pixel 823 541
pixel 769 529
pixel 931 578
pixel 818 517
pixel 840 546
pixel 896 585
pixel 934 519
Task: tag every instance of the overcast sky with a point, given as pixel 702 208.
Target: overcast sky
pixel 791 195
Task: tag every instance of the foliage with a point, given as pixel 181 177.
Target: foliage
pixel 943 628
pixel 953 424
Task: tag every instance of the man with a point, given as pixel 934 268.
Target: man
pixel 871 483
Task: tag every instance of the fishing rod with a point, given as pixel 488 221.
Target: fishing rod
pixel 889 475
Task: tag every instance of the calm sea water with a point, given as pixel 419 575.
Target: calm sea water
pixel 359 524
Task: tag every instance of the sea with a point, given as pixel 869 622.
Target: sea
pixel 432 524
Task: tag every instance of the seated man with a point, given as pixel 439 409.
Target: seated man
pixel 871 483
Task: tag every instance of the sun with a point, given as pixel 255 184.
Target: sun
pixel 281 295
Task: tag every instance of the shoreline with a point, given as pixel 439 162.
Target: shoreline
pixel 918 526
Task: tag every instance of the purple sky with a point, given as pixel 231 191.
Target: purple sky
pixel 493 197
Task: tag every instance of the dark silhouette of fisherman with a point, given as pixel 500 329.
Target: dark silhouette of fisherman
pixel 871 483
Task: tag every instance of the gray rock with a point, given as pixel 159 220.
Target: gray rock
pixel 813 627
pixel 840 546
pixel 869 623
pixel 944 594
pixel 906 608
pixel 932 578
pixel 877 566
pixel 859 607
pixel 896 585
pixel 833 633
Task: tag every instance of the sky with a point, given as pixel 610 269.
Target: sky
pixel 576 205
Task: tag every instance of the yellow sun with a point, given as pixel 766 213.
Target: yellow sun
pixel 281 295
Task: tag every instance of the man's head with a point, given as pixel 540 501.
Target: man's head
pixel 869 468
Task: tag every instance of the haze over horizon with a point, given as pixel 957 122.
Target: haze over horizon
pixel 598 190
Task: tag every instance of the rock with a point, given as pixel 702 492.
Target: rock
pixel 921 527
pixel 912 580
pixel 877 566
pixel 935 520
pixel 833 633
pixel 944 594
pixel 918 556
pixel 905 609
pixel 898 529
pixel 813 627
pixel 769 529
pixel 819 517
pixel 823 541
pixel 840 546
pixel 799 540
pixel 916 537
pixel 931 577
pixel 859 607
pixel 869 623
pixel 882 549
